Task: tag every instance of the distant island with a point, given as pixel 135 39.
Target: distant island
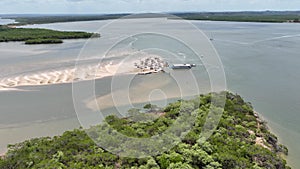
pixel 9 33
pixel 241 140
pixel 42 19
pixel 39 36
pixel 242 16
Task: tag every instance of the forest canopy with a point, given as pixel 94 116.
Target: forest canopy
pixel 240 140
pixel 40 36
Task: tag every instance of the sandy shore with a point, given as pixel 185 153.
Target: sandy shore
pixel 157 88
pixel 70 75
pixel 63 76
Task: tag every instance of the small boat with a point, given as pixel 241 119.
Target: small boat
pixel 183 66
pixel 144 73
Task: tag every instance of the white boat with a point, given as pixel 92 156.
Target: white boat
pixel 183 66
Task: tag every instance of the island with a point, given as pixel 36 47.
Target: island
pixel 239 16
pixel 244 16
pixel 40 36
pixel 42 19
pixel 240 140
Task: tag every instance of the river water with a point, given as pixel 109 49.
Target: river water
pixel 261 62
pixel 6 21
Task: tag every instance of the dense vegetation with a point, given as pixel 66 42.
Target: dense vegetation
pixel 244 16
pixel 233 145
pixel 40 19
pixel 259 16
pixel 43 41
pixel 39 36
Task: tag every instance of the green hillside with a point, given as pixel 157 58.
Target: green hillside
pixel 241 140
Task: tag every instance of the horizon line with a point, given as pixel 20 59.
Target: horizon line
pixel 170 12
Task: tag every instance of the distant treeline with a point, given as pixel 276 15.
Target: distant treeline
pixel 39 36
pixel 259 16
pixel 41 19
pixel 267 16
pixel 42 41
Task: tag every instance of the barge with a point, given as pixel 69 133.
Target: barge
pixel 183 66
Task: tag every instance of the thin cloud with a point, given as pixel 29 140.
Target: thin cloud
pixel 136 6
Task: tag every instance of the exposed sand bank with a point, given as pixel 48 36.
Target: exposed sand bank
pixel 59 76
pixel 69 75
pixel 144 90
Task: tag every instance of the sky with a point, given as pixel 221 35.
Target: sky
pixel 140 6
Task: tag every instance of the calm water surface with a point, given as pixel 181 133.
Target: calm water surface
pixel 6 21
pixel 261 62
